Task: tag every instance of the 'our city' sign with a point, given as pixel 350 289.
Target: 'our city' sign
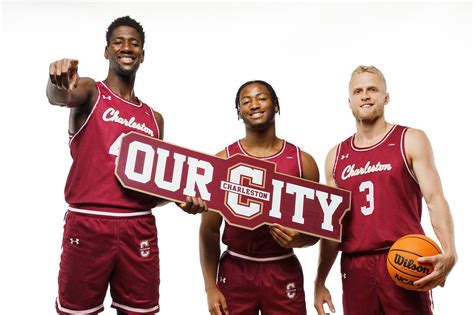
pixel 246 191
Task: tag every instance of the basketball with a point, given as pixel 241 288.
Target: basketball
pixel 402 260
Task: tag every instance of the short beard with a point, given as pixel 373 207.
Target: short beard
pixel 260 126
pixel 367 119
pixel 125 73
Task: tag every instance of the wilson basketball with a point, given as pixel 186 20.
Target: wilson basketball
pixel 402 260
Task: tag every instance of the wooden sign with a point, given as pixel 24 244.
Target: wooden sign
pixel 246 191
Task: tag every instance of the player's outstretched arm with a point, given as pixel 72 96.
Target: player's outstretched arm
pixel 328 251
pixel 209 254
pixel 421 159
pixel 66 88
pixel 290 238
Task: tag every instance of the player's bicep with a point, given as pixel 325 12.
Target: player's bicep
pixel 329 167
pixel 210 222
pixel 420 153
pixel 160 121
pixel 309 166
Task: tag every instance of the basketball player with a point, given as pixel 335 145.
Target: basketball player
pixel 389 169
pixel 110 233
pixel 258 271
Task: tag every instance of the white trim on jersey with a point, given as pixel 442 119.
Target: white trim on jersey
pixel 338 152
pixel 71 137
pixel 119 97
pixel 89 311
pixel 154 119
pixel 264 157
pixel 274 258
pixel 298 157
pixel 134 309
pixel 374 146
pixel 110 214
pixel 402 151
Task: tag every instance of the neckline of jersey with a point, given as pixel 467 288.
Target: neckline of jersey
pixel 356 148
pixel 262 157
pixel 140 104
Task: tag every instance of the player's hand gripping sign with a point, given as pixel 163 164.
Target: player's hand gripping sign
pixel 246 191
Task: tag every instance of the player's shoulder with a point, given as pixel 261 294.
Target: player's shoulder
pixel 333 151
pixel 415 137
pixel 222 154
pixel 417 144
pixel 415 133
pixel 91 87
pixel 158 115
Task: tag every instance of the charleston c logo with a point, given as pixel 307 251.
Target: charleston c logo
pixel 236 190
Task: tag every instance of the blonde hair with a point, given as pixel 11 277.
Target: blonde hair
pixel 370 69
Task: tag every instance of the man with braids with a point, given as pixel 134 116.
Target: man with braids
pixel 110 234
pixel 258 271
pixel 386 205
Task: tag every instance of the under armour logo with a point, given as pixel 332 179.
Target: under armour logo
pixel 108 97
pixel 289 157
pixel 74 241
pixel 144 249
pixel 222 279
pixel 391 144
pixel 291 290
pixel 345 156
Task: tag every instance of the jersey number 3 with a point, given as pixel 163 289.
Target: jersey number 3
pixel 369 187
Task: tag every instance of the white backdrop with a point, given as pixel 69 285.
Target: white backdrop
pixel 197 55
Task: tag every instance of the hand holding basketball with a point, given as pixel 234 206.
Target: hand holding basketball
pixel 442 266
pixel 404 265
pixel 63 73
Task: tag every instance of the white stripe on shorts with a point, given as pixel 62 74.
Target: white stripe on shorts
pixel 260 259
pixel 89 311
pixel 110 214
pixel 136 310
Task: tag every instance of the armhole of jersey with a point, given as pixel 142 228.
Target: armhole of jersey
pixel 227 151
pixel 73 136
pixel 405 159
pixel 154 119
pixel 299 158
pixel 335 161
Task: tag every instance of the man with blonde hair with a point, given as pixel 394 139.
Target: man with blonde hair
pixel 389 169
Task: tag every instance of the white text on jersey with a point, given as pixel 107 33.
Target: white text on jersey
pixel 112 115
pixel 351 170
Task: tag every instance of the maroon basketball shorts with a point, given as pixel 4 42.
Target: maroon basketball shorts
pixel 272 287
pixel 368 289
pixel 98 250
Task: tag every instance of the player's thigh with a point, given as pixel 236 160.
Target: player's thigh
pixel 283 288
pixel 359 285
pixel 134 285
pixel 237 279
pixel 86 263
pixel 397 300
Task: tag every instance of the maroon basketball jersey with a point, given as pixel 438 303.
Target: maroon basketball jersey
pixel 259 243
pixel 91 185
pixel 386 198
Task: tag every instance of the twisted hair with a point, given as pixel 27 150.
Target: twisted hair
pixel 125 21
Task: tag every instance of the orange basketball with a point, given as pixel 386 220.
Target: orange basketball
pixel 402 260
